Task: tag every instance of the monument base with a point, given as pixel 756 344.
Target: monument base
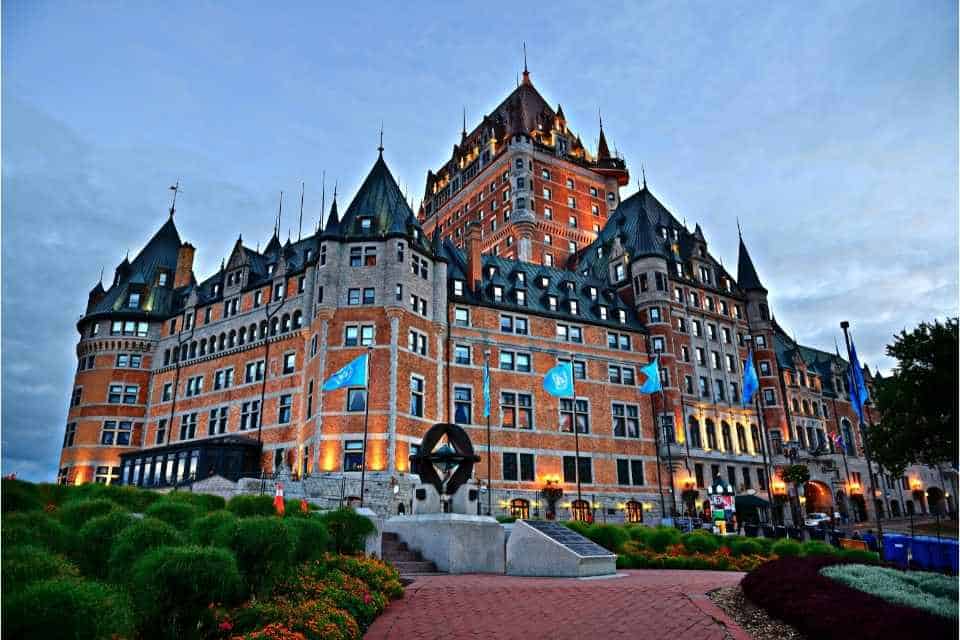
pixel 541 548
pixel 454 542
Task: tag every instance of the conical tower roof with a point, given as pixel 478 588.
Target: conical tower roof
pixel 747 276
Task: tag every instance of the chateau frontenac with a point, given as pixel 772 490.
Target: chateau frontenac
pixel 523 255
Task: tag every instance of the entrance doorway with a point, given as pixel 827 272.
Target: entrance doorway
pixel 520 509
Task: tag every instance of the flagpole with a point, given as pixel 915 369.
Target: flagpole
pixel 663 407
pixel 866 447
pixel 486 409
pixel 656 442
pixel 763 429
pixel 366 420
pixel 576 429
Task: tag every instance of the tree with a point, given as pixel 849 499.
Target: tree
pixel 918 402
pixel 799 475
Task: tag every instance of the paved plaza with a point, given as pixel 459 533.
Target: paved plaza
pixel 648 604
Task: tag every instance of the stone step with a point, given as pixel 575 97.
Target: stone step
pixel 392 537
pixel 392 544
pixel 422 566
pixel 403 556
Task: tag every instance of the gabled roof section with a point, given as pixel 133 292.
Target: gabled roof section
pixel 816 360
pixel 747 276
pixel 380 200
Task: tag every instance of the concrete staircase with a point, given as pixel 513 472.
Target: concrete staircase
pixel 407 562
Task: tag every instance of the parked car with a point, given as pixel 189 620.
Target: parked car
pixel 816 519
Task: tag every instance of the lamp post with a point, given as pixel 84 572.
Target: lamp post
pixel 486 364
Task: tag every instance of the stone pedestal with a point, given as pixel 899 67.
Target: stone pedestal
pixel 455 542
pixel 531 553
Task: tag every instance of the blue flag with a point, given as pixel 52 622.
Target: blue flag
pixel 750 381
pixel 559 380
pixel 652 371
pixel 354 374
pixel 486 389
pixel 858 388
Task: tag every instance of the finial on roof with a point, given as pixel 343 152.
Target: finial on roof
pixel 276 226
pixel 526 73
pixel 300 226
pixel 739 232
pixel 223 265
pixel 463 131
pixel 643 171
pixel 173 204
pixel 101 274
pixel 380 148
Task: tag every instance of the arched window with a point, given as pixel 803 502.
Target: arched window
pixel 806 408
pixel 166 357
pixel 274 324
pixel 183 352
pixel 252 332
pixel 263 329
pixel 285 323
pixel 213 344
pixel 222 342
pixel 755 436
pixel 694 428
pixel 203 347
pixel 242 335
pixel 580 510
pixel 725 434
pixel 520 508
pixel 634 511
pixel 796 406
pixel 711 434
pixel 741 438
pixel 297 319
pixel 816 410
pixel 846 430
pixel 232 338
pixel 193 349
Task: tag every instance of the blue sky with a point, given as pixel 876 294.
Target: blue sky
pixel 829 129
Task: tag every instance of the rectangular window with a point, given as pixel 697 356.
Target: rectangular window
pixel 517 410
pixel 353 455
pixel 249 415
pixel 217 421
pixel 769 398
pixel 570 469
pixel 253 372
pixel 356 399
pixel 353 296
pixel 161 431
pixel 310 399
pixel 417 386
pixel 461 354
pixel 289 363
pixel 70 434
pixel 626 420
pixel 510 466
pixel 194 386
pixel 463 405
pixel 122 394
pixel 188 426
pixel 369 295
pixel 571 412
pixel 417 343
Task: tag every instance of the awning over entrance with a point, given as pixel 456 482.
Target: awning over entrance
pixel 749 501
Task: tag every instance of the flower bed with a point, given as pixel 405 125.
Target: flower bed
pixel 793 590
pixel 192 567
pixel 928 591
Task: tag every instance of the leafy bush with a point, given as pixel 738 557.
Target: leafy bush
pixel 216 525
pixel 315 619
pixel 129 498
pixel 75 514
pixel 68 608
pixel 700 541
pixel 860 556
pixel 379 575
pixel 309 536
pixel 25 564
pixel 934 593
pixel 246 506
pixel 638 532
pixel 37 528
pixel 506 519
pixel 204 502
pixel 580 527
pixel 101 532
pixel 608 536
pixel 817 548
pixel 17 495
pixel 138 538
pixel 662 537
pixel 348 530
pixel 173 512
pixel 746 547
pixel 173 586
pixel 262 547
pixel 766 545
pixel 292 509
pixel 786 548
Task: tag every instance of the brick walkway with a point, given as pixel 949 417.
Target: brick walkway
pixel 648 604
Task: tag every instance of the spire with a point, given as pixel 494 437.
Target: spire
pixel 526 73
pixel 380 148
pixel 463 131
pixel 333 220
pixel 173 204
pixel 603 151
pixel 643 172
pixel 747 276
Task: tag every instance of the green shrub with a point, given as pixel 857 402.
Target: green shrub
pixel 766 545
pixel 129 498
pixel 263 549
pixel 246 506
pixel 580 527
pixel 291 509
pixel 860 555
pixel 662 537
pixel 348 530
pixel 310 538
pixel 204 502
pixel 173 586
pixel 817 548
pixel 37 528
pixel 138 538
pixel 26 563
pixel 786 548
pixel 746 547
pixel 214 526
pixel 75 514
pixel 17 495
pixel 68 608
pixel 173 512
pixel 52 493
pixel 100 533
pixel 609 536
pixel 506 519
pixel 930 592
pixel 379 575
pixel 700 542
pixel 638 532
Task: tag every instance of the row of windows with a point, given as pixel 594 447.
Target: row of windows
pixel 233 338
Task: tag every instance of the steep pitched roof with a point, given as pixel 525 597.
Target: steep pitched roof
pixel 379 199
pixel 747 276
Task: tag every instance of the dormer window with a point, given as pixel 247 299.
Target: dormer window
pixel 521 278
pixel 216 289
pixel 592 292
pixel 270 268
pixel 521 297
pixel 603 312
pixel 309 255
pixel 574 307
pixel 133 301
pixel 498 294
pixel 619 273
pixel 366 223
pixel 162 280
pixel 569 286
pixel 491 271
pixel 552 303
pixel 544 282
pixel 622 315
pixel 458 287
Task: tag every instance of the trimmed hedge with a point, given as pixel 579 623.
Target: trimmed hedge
pixel 76 513
pixel 263 548
pixel 246 506
pixel 37 528
pixel 701 542
pixel 348 530
pixel 786 548
pixel 216 525
pixel 134 541
pixel 173 586
pixel 68 608
pixel 25 564
pixel 202 501
pixel 173 512
pixel 310 538
pixel 100 533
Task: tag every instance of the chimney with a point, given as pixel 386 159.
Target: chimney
pixel 184 265
pixel 474 264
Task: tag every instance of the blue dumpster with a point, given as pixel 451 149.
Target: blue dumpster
pixel 871 541
pixel 895 550
pixel 953 551
pixel 923 553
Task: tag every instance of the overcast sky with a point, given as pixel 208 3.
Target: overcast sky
pixel 830 129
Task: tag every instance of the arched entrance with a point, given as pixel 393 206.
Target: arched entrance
pixel 878 505
pixel 859 507
pixel 580 510
pixel 911 509
pixel 819 499
pixel 935 501
pixel 842 506
pixel 894 509
pixel 520 509
pixel 634 511
pixel 920 499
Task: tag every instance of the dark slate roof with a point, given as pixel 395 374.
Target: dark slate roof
pixel 160 252
pixel 747 276
pixel 820 362
pixel 504 274
pixel 380 198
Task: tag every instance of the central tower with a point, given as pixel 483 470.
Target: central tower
pixel 536 191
